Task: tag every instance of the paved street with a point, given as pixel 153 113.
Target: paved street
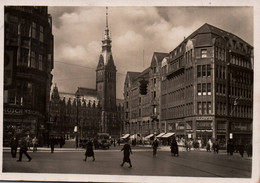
pixel 70 160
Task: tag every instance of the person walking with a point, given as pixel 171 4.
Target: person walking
pixel 89 150
pixel 127 150
pixel 23 150
pixel 52 143
pixel 155 146
pixel 241 150
pixel 216 146
pixel 174 148
pixel 14 146
pixel 34 143
pixel 208 146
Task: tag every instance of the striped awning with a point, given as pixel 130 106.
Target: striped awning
pixel 125 136
pixel 167 135
pixel 160 135
pixel 149 136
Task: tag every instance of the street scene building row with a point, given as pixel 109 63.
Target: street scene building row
pixel 204 90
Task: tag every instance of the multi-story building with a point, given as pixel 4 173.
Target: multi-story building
pixel 207 87
pixel 142 112
pixel 28 62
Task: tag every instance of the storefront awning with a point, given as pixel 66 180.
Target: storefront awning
pixel 160 135
pixel 167 135
pixel 133 136
pixel 125 136
pixel 149 136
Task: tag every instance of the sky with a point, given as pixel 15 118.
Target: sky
pixel 136 33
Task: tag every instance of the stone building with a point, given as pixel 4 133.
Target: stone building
pixel 207 88
pixel 142 112
pixel 28 62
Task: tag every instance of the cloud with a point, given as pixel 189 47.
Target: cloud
pixel 136 33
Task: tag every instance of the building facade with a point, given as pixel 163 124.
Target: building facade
pixel 28 62
pixel 207 88
pixel 142 112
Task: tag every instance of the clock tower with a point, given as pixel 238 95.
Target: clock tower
pixel 106 80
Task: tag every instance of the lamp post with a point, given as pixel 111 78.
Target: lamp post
pixel 77 124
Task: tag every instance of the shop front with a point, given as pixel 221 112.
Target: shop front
pixel 221 136
pixel 204 130
pixel 241 132
pixel 21 122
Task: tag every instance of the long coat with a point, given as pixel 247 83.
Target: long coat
pixel 127 150
pixel 89 151
pixel 174 148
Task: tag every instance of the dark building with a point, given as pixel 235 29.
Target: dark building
pixel 207 88
pixel 28 62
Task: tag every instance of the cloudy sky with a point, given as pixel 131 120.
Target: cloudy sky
pixel 136 33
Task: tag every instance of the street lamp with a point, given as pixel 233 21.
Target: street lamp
pixel 77 124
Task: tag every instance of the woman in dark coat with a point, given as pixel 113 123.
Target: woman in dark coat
pixel 89 151
pixel 241 150
pixel 174 148
pixel 127 150
pixel 14 146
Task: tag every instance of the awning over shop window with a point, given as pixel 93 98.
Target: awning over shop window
pixel 125 136
pixel 167 135
pixel 149 136
pixel 160 135
pixel 133 136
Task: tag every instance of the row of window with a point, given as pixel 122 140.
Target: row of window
pixel 241 111
pixel 242 92
pixel 176 112
pixel 204 89
pixel 240 77
pixel 32 60
pixel 240 61
pixel 175 64
pixel 204 108
pixel 220 89
pixel 220 53
pixel 188 56
pixel 26 94
pixel 220 72
pixel 203 70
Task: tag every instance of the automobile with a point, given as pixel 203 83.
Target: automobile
pixel 104 144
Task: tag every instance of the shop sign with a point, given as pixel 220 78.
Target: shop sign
pixel 239 127
pixel 19 111
pixel 221 131
pixel 203 125
pixel 204 118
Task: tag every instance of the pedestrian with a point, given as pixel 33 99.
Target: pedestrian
pixel 14 146
pixel 23 150
pixel 155 146
pixel 127 150
pixel 174 148
pixel 249 150
pixel 230 148
pixel 34 143
pixel 114 142
pixel 216 147
pixel 208 146
pixel 28 141
pixel 52 143
pixel 241 150
pixel 89 150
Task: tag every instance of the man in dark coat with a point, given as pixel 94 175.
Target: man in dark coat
pixel 241 150
pixel 89 151
pixel 174 148
pixel 52 143
pixel 127 150
pixel 155 146
pixel 23 150
pixel 14 145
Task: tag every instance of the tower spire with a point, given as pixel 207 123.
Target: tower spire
pixel 106 16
